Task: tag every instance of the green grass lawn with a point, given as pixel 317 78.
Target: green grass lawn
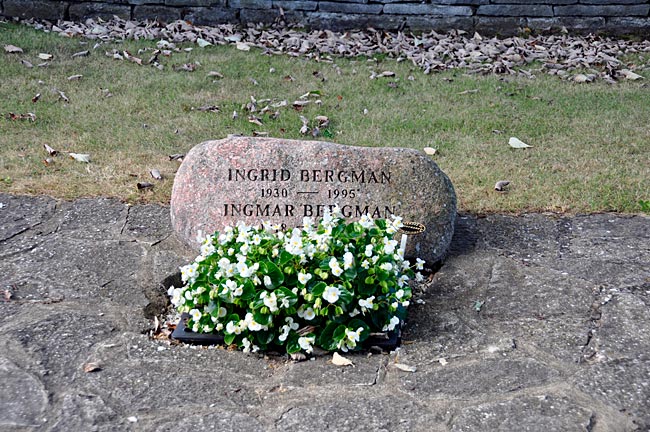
pixel 591 142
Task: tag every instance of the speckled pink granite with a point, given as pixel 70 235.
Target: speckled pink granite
pixel 254 179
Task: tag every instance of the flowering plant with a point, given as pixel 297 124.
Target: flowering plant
pixel 327 284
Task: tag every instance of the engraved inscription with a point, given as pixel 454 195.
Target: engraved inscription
pixel 304 201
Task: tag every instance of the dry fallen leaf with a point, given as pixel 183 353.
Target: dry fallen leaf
pixel 45 56
pixel 176 156
pixel 628 74
pixel 50 150
pixel 134 59
pixel 255 120
pixel 36 98
pixel 13 49
pixel 243 46
pixel 517 143
pixel 430 151
pixel 62 96
pixel 48 161
pixel 80 157
pixel 80 54
pixel 91 367
pixel 6 295
pixel 144 185
pixel 210 108
pixel 443 361
pixel 234 115
pixel 500 185
pixel 339 360
pixel 405 367
pixel 202 43
pixel 75 77
pixel 464 92
pixel 215 74
pixel 155 174
pixel 27 64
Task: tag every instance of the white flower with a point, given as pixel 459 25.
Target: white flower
pixel 238 291
pixel 188 295
pixel 367 303
pixel 365 264
pixel 306 342
pixel 399 294
pixel 335 267
pixel 419 263
pixel 188 272
pixel 207 249
pixel 386 266
pixel 219 327
pixel 368 251
pixel 223 263
pixel 232 328
pixel 251 324
pixel 419 277
pixel 196 315
pixel 402 280
pixel 389 245
pixel 267 282
pixel 309 314
pixel 222 312
pixel 270 301
pixel 231 251
pixel 366 221
pixel 348 260
pixel 406 303
pixel 350 340
pixel 394 321
pixel 354 313
pixel 331 294
pixel 303 278
pixel 257 239
pixel 229 286
pixel 207 329
pixel 247 345
pixel 177 294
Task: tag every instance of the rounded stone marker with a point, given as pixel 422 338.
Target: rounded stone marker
pixel 253 179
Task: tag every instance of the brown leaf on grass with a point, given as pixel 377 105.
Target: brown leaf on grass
pixel 13 49
pixel 80 157
pixel 45 56
pixel 80 54
pixel 48 161
pixel 323 121
pixel 176 157
pixel 385 74
pixel 186 67
pixel 27 64
pixel 300 104
pixel 234 115
pixel 289 78
pixel 132 58
pixel 501 185
pixel 36 97
pixel 27 116
pixel 242 46
pixel 275 115
pixel 106 92
pixel 155 174
pixel 255 120
pixel 50 150
pixel 75 77
pixel 430 151
pixel 464 92
pixel 253 81
pixel 215 74
pixel 144 185
pixel 62 96
pixel 91 367
pixel 628 74
pixel 260 134
pixel 210 108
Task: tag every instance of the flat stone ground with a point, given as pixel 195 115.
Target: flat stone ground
pixel 535 322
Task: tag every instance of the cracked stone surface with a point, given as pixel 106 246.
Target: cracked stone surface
pixel 533 323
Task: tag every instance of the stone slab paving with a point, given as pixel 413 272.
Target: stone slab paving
pixel 533 323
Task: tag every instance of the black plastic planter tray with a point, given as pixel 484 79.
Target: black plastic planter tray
pixel 184 334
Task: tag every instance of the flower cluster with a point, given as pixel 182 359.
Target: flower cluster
pixel 327 284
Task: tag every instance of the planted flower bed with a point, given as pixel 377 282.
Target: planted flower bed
pixel 331 284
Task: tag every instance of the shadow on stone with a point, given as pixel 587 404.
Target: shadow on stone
pixel 158 299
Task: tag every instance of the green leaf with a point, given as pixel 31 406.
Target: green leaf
pixel 345 296
pixel 339 332
pixel 285 293
pixel 229 338
pixel 262 319
pixel 319 288
pixel 326 337
pixel 269 269
pixel 248 291
pixel 350 273
pixel 292 343
pixel 285 257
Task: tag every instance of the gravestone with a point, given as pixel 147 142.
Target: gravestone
pixel 257 179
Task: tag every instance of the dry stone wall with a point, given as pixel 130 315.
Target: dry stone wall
pixel 486 16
